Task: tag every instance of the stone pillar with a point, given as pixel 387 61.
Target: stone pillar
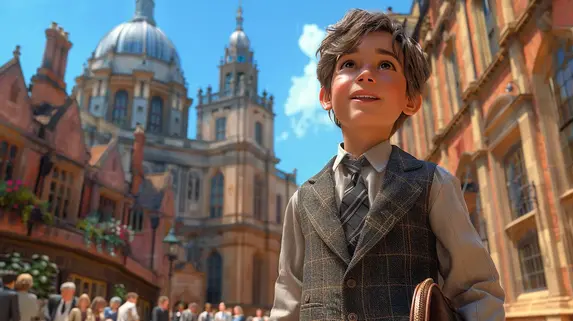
pixel 507 12
pixel 468 61
pixel 444 157
pixel 518 67
pixel 543 220
pixel 437 101
pixel 477 125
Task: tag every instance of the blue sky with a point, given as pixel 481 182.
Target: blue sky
pixel 283 34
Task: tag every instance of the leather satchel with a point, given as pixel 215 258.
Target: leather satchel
pixel 430 304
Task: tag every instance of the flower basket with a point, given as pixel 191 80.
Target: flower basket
pixel 109 233
pixel 17 198
pixel 42 270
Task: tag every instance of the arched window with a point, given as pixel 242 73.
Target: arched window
pixel 258 199
pixel 217 196
pixel 220 128
pixel 193 187
pixel 155 115
pixel 227 87
pixel 119 113
pixel 531 262
pixel 259 133
pixel 214 277
pixel 562 83
pixel 258 284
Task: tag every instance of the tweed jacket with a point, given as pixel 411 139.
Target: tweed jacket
pixel 320 280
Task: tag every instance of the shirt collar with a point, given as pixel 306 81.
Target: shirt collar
pixel 377 156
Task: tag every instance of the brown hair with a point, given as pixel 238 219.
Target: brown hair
pixel 84 297
pixel 345 35
pixel 24 282
pixel 98 303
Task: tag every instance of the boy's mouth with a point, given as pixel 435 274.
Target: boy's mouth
pixel 364 96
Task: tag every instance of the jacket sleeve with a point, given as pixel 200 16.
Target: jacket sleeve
pixel 470 278
pixel 288 286
pixel 15 308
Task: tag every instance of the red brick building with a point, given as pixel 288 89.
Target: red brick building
pixel 42 143
pixel 498 112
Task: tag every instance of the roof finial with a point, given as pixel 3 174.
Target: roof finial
pixel 144 11
pixel 240 17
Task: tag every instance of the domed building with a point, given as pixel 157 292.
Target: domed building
pixel 230 196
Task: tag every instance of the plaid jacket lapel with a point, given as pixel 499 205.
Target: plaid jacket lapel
pixel 321 210
pixel 399 191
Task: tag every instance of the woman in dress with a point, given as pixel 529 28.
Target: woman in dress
pixel 82 312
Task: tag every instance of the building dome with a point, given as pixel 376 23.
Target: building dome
pixel 238 38
pixel 138 37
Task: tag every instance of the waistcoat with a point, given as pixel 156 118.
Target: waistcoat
pixel 395 252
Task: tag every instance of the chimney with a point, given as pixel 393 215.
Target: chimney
pixel 137 159
pixel 55 58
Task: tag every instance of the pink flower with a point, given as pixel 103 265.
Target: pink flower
pixel 18 182
pixel 8 190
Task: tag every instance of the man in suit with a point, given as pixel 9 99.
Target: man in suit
pixel 192 312
pixel 59 306
pixel 161 311
pixel 9 309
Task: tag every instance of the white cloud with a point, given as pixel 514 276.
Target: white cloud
pixel 302 105
pixel 282 137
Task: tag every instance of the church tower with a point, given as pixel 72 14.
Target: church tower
pixel 237 112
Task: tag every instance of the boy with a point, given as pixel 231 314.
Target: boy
pixel 362 233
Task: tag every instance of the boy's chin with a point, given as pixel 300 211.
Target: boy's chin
pixel 368 120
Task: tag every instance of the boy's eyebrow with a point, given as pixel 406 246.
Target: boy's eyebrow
pixel 378 50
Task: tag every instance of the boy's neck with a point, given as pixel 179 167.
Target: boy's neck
pixel 358 142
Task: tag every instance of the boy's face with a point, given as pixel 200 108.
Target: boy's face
pixel 368 89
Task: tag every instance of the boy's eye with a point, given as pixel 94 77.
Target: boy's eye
pixel 386 65
pixel 348 64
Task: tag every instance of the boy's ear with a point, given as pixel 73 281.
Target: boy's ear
pixel 324 97
pixel 413 105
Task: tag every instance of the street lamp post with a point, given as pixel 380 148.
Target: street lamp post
pixel 154 225
pixel 172 248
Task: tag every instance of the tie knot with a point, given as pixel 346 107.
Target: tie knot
pixel 354 166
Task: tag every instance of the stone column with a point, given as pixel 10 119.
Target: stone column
pixel 507 12
pixel 437 101
pixel 518 67
pixel 543 220
pixel 468 61
pixel 477 125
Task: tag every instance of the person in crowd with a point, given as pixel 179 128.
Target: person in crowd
pixel 59 306
pixel 179 311
pixel 259 315
pixel 9 308
pixel 98 308
pixel 238 314
pixel 207 315
pixel 128 311
pixel 28 302
pixel 161 311
pixel 191 313
pixel 222 314
pixel 82 312
pixel 110 313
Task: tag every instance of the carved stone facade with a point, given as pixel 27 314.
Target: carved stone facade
pixel 498 112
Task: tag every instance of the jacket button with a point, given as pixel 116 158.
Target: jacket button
pixel 307 298
pixel 352 317
pixel 351 283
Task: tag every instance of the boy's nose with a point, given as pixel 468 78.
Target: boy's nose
pixel 366 76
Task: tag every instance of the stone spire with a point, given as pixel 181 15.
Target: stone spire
pixel 239 17
pixel 144 11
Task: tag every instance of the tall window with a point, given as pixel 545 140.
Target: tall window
pixel 193 187
pixel 217 195
pixel 562 83
pixel 60 192
pixel 214 277
pixel 491 26
pixel 106 208
pixel 220 128
pixel 8 157
pixel 520 191
pixel 155 115
pixel 119 114
pixel 531 262
pixel 279 209
pixel 135 219
pixel 228 80
pixel 259 133
pixel 258 284
pixel 258 198
pixel 89 286
pixel 454 81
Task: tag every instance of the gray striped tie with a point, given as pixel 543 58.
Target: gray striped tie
pixel 355 204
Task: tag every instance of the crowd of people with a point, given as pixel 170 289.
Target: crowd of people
pixel 17 303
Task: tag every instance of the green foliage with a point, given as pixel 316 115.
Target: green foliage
pixel 18 198
pixel 110 231
pixel 42 270
pixel 119 291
